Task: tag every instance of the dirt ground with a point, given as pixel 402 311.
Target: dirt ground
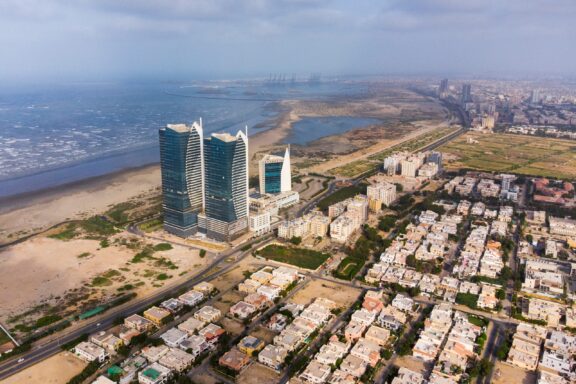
pixel 345 296
pixel 411 363
pixel 264 334
pixel 506 374
pixel 257 374
pixel 45 269
pixel 57 369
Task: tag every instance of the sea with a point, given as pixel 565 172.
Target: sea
pixel 59 134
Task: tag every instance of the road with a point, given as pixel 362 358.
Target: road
pixel 50 348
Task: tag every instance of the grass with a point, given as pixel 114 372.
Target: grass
pixel 151 225
pixel 300 257
pixel 98 226
pixel 67 234
pixel 468 299
pixel 83 255
pixel 348 268
pixel 3 337
pixel 162 247
pixel 101 281
pixel 340 195
pixel 545 157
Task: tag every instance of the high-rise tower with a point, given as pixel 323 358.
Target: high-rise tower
pixel 275 173
pixel 466 93
pixel 226 185
pixel 181 162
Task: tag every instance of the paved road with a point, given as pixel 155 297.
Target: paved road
pixel 40 352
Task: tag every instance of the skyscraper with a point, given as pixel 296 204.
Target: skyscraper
pixel 226 185
pixel 181 162
pixel 466 93
pixel 443 88
pixel 275 174
pixel 535 96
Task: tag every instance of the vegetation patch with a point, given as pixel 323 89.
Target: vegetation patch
pixel 341 194
pixel 300 257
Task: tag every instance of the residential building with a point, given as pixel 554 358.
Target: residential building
pixel 316 373
pixel 157 315
pixel 176 360
pixel 89 352
pixel 173 337
pixel 251 345
pixel 273 356
pixel 138 323
pixel 234 360
pixel 208 314
pixel 154 374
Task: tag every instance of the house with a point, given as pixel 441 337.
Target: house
pixel 234 360
pixel 249 286
pixel 333 351
pixel 407 376
pixel 211 333
pixel 195 345
pixel 316 373
pixel 127 334
pixel 363 316
pixel 257 300
pixel 242 310
pixel 208 314
pixel 89 352
pixel 281 282
pixel 367 350
pixel 341 377
pixel 354 365
pixel 154 374
pixel 403 303
pixel 176 360
pixel 354 330
pixel 273 356
pixel 391 318
pixel 270 291
pixel 103 380
pixel 157 315
pixel 288 339
pixel 191 298
pixel 173 337
pixel 250 345
pixel 191 325
pixel 377 335
pixel 107 341
pixel 138 323
pixel 204 287
pixel 286 272
pixel 154 353
pixel 277 322
pixel 262 276
pixel 172 305
pixel 372 304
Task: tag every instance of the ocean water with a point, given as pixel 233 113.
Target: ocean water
pixel 313 128
pixel 54 135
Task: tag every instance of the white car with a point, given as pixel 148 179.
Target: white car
pixel 20 360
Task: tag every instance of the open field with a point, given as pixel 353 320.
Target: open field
pixel 256 374
pixel 507 374
pixel 319 288
pixel 300 257
pixel 514 154
pixel 57 369
pixel 62 277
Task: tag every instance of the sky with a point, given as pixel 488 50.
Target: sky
pixel 189 39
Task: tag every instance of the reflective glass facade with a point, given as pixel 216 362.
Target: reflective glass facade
pixel 273 177
pixel 181 166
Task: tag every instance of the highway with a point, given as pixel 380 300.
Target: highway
pixel 40 352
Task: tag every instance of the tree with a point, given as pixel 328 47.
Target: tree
pixel 529 238
pixel 202 252
pixel 296 240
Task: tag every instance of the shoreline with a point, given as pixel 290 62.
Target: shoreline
pixel 22 200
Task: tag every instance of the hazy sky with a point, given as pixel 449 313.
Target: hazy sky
pixel 185 39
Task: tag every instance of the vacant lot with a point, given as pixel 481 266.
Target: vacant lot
pixel 345 296
pixel 57 369
pixel 535 156
pixel 300 257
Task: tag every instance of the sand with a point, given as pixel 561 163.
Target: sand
pixel 43 210
pixel 44 269
pixel 507 374
pixel 58 369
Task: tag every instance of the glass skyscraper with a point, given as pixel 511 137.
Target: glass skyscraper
pixel 226 185
pixel 181 162
pixel 275 173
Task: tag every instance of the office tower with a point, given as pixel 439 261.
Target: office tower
pixel 435 157
pixel 443 88
pixel 275 173
pixel 535 96
pixel 182 177
pixel 226 185
pixel 466 93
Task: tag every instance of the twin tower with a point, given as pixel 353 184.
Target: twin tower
pixel 204 182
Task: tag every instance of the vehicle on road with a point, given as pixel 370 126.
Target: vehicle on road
pixel 21 360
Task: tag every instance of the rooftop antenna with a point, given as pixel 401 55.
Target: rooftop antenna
pixel 200 122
